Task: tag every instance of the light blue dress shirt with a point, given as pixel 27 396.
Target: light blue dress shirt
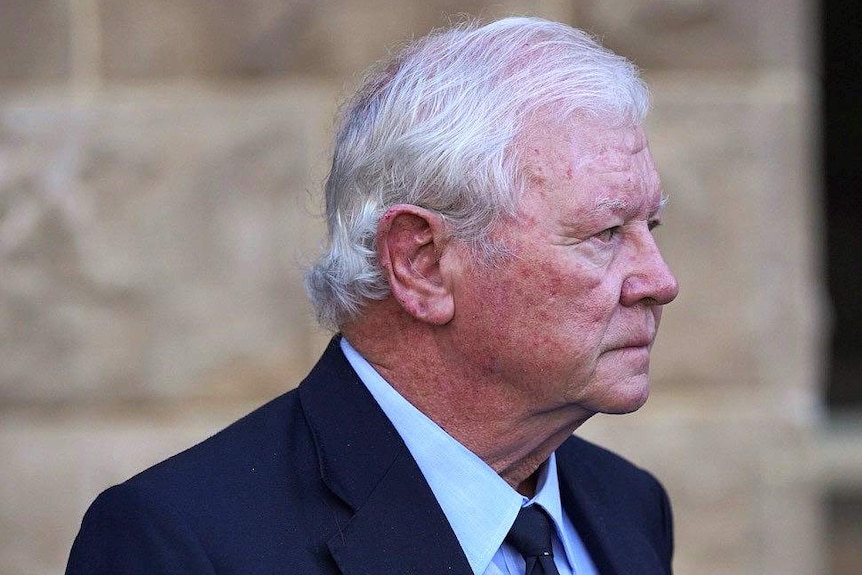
pixel 478 503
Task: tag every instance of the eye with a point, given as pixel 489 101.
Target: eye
pixel 608 234
pixel 653 224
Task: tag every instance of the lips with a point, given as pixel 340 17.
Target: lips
pixel 644 341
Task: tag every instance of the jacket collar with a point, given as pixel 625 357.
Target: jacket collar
pixel 615 540
pixel 397 526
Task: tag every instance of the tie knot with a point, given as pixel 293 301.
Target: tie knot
pixel 531 533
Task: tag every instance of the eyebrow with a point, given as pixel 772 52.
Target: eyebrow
pixel 617 206
pixel 614 205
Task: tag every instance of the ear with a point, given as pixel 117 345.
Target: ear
pixel 410 245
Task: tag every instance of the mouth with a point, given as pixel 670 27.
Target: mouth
pixel 638 343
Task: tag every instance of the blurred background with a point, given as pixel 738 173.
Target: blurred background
pixel 160 171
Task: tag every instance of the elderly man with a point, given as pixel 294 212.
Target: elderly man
pixel 492 274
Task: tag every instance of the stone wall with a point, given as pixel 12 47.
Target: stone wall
pixel 160 166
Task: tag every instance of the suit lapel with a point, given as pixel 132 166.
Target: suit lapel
pixel 397 526
pixel 400 529
pixel 613 538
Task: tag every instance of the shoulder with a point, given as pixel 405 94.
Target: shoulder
pixel 129 531
pixel 256 443
pixel 230 497
pixel 617 489
pixel 265 443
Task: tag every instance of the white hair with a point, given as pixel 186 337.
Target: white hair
pixel 436 126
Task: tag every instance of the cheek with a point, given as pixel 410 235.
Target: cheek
pixel 549 293
pixel 575 285
pixel 560 306
pixel 541 298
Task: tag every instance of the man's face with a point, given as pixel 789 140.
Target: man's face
pixel 569 316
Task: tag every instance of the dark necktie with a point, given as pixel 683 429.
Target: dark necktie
pixel 531 536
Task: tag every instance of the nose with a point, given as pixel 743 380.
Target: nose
pixel 650 280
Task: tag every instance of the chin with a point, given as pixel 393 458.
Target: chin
pixel 630 407
pixel 627 396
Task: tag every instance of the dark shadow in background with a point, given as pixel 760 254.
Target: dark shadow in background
pixel 842 146
pixel 842 132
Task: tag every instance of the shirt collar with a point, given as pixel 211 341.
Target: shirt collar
pixel 478 503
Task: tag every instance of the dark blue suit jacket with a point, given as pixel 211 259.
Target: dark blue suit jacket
pixel 318 481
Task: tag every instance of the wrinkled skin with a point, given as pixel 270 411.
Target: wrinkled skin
pixel 511 357
pixel 569 318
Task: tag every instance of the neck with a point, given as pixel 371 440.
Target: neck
pixel 480 412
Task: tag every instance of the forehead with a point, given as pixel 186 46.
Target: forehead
pixel 584 145
pixel 590 165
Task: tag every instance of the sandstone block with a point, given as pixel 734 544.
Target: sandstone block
pixel 738 500
pixel 733 154
pixel 34 42
pixel 703 34
pixel 265 38
pixel 154 241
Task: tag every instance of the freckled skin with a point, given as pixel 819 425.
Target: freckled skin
pixel 510 358
pixel 555 317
